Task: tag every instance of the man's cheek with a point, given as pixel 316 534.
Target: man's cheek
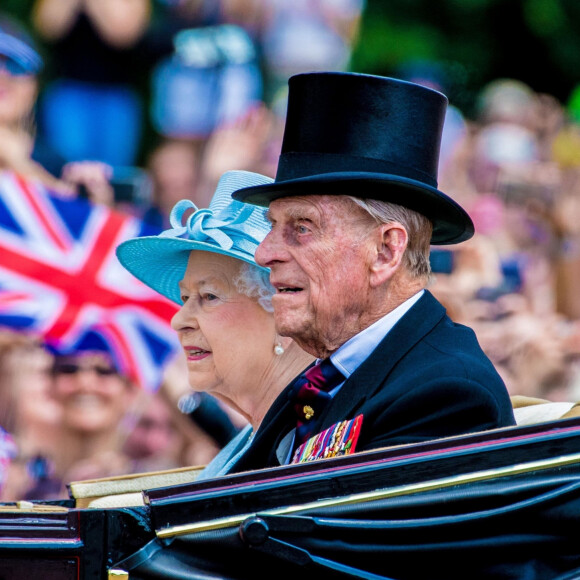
pixel 330 299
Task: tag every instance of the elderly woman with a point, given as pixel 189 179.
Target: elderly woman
pixel 225 323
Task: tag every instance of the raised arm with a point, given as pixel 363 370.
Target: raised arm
pixel 54 18
pixel 119 22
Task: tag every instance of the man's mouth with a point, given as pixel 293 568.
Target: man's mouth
pixel 288 289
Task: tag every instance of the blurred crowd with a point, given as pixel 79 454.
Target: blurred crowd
pixel 515 168
pixel 136 105
pixel 208 79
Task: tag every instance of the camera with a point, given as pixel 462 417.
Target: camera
pixel 131 185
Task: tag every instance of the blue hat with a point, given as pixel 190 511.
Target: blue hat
pixel 227 227
pixel 17 47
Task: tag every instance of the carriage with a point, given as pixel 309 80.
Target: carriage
pixel 498 504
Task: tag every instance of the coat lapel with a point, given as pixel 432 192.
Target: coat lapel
pixel 363 383
pixel 372 373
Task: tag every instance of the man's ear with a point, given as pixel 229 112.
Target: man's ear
pixel 391 243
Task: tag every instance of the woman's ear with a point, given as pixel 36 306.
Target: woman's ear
pixel 391 243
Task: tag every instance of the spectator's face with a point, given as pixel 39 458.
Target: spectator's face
pixel 154 435
pixel 93 396
pixel 17 94
pixel 26 381
pixel 36 401
pixel 228 338
pixel 319 252
pixel 174 169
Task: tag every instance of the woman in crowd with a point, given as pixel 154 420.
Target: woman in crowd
pixel 225 323
pixel 21 150
pixel 24 151
pixel 95 399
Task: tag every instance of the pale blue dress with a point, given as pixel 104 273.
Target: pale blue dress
pixel 223 462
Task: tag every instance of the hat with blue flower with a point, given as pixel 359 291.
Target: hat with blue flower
pixel 227 227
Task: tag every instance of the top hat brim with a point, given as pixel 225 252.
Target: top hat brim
pixel 451 223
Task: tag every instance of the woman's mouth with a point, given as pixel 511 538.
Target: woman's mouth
pixel 195 352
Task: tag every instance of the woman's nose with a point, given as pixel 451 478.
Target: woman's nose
pixel 184 318
pixel 87 378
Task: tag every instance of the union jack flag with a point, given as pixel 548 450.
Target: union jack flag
pixel 60 280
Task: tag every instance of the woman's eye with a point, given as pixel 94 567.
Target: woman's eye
pixel 209 297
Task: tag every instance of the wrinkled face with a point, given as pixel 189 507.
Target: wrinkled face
pixel 93 396
pixel 319 251
pixel 228 338
pixel 17 95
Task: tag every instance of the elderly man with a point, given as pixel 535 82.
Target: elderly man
pixel 354 209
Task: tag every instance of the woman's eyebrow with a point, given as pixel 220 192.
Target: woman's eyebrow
pixel 209 280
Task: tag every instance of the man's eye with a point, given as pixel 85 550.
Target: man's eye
pixel 302 229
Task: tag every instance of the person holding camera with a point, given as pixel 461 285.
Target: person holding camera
pixel 91 107
pixel 21 150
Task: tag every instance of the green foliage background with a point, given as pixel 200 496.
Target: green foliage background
pixel 475 41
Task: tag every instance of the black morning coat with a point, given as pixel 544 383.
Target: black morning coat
pixel 427 379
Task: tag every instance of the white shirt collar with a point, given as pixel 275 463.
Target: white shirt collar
pixel 355 350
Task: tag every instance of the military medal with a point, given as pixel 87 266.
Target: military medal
pixel 338 439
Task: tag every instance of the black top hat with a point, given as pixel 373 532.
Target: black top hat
pixel 367 136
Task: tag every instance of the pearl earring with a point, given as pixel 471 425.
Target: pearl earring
pixel 278 349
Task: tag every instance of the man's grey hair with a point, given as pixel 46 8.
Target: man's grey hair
pixel 419 230
pixel 255 283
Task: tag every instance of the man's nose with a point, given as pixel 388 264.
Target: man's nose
pixel 269 250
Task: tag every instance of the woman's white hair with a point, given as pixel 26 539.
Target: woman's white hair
pixel 419 230
pixel 255 283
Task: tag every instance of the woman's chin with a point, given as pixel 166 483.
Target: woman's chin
pixel 201 383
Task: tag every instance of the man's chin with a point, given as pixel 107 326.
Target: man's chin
pixel 302 334
pixel 288 326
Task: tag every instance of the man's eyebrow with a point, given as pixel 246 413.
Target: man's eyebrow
pixel 304 214
pixel 295 213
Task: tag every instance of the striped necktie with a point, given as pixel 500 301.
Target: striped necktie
pixel 310 396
